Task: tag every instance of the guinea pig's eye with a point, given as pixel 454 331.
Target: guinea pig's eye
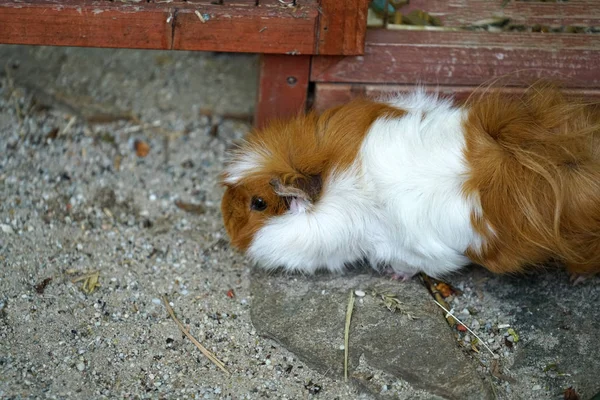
pixel 258 204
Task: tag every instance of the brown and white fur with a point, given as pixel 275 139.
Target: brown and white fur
pixel 417 183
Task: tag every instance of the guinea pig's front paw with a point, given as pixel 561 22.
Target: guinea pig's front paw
pixel 399 275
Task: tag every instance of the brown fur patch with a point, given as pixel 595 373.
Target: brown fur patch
pixel 303 153
pixel 535 164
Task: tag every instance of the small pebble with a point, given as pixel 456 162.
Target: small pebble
pixel 359 293
pixel 503 326
pixel 536 387
pixel 80 366
pixel 156 301
pixel 7 229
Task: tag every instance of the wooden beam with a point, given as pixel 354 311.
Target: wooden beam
pixel 85 23
pixel 526 13
pixel 283 87
pixel 342 27
pixel 239 27
pixel 281 30
pixel 329 95
pixel 466 58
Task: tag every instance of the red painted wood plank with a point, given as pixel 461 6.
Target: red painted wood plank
pixel 249 3
pixel 177 25
pixel 279 30
pixel 466 12
pixel 342 26
pixel 85 23
pixel 466 58
pixel 329 95
pixel 283 87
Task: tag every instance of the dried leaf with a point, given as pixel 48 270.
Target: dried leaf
pixel 197 209
pixel 497 372
pixel 53 134
pixel 571 394
pixel 40 287
pixel 141 148
pixel 90 281
pixel 392 303
pixel 514 335
pixel 444 289
pixel 474 344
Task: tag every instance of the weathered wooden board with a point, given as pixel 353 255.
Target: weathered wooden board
pixel 333 94
pixel 342 27
pixel 177 25
pixel 279 30
pixel 466 58
pixel 265 26
pixel 467 12
pixel 85 23
pixel 283 87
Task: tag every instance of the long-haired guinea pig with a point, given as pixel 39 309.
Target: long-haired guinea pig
pixel 417 183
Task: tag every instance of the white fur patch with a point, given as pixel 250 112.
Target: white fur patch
pixel 401 204
pixel 245 161
pixel 330 235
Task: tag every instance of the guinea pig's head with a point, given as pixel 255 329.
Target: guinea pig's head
pixel 247 205
pixel 272 173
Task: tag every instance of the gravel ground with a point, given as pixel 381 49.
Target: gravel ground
pixel 79 195
pixel 67 210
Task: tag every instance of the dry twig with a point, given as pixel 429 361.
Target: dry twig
pixel 347 333
pixel 203 349
pixel 438 298
pixel 449 314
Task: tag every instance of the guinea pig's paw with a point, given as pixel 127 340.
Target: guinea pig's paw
pixel 402 276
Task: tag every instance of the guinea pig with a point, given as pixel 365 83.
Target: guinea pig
pixel 419 183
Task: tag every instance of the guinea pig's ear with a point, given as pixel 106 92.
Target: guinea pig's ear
pixel 302 192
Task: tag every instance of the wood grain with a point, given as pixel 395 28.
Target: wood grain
pixel 283 87
pixel 85 23
pixel 342 27
pixel 466 12
pixel 466 58
pixel 329 95
pixel 239 27
pixel 278 30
